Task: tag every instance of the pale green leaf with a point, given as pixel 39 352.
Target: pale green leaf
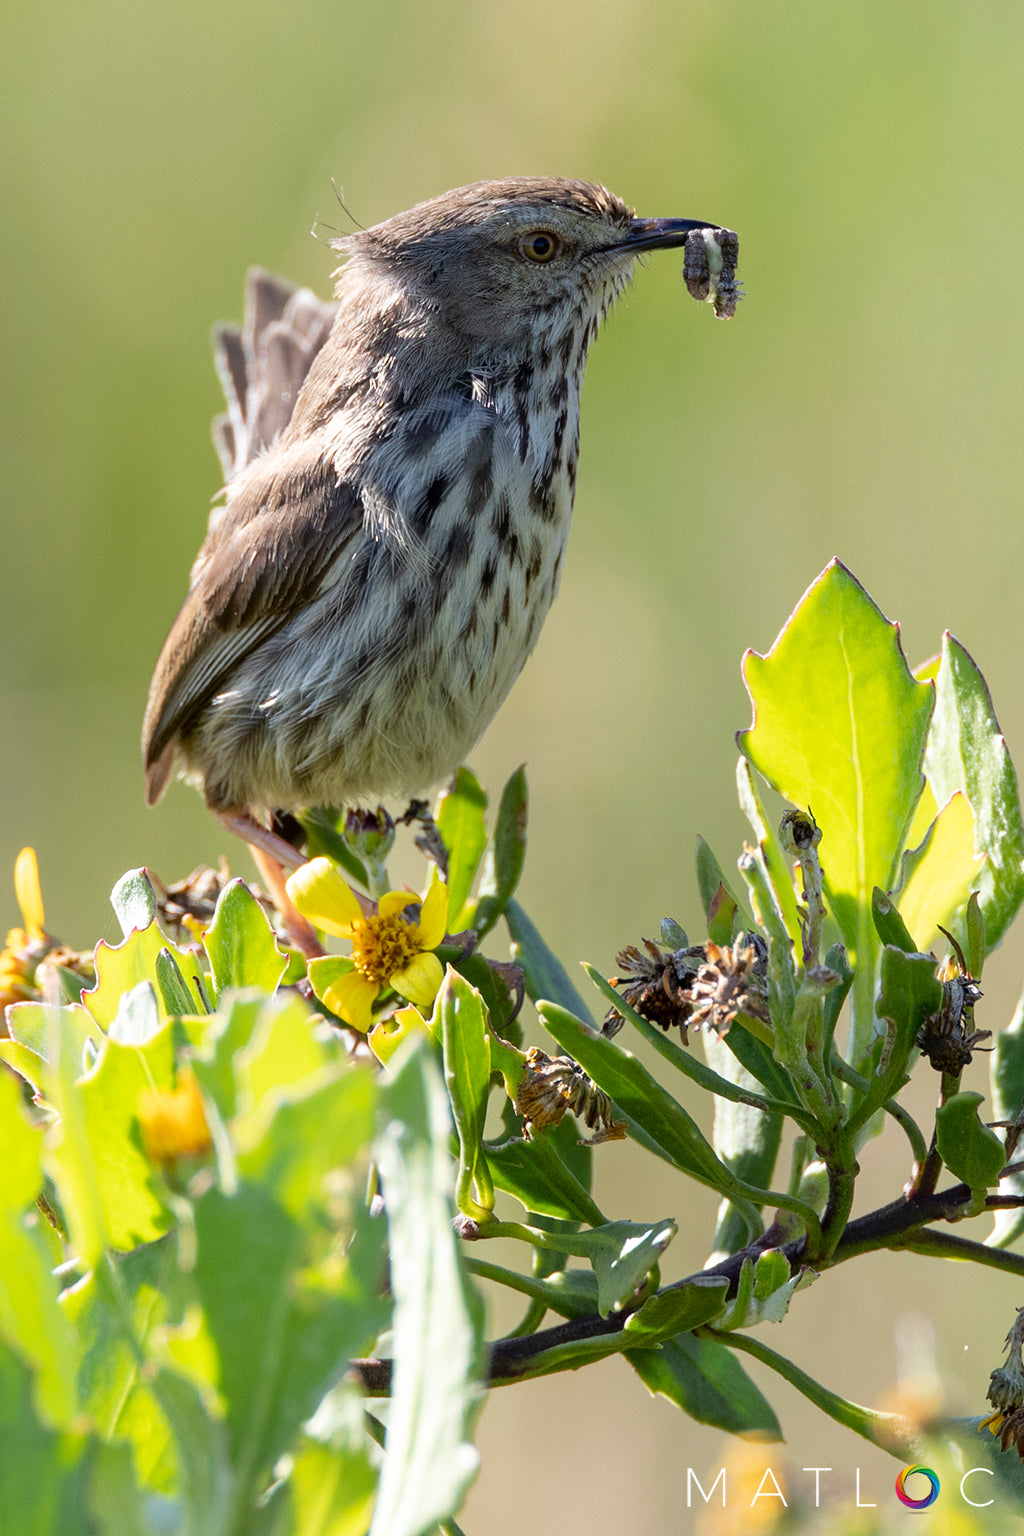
pixel 839 728
pixel 438 1322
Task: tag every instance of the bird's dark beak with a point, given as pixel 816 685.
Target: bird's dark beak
pixel 660 234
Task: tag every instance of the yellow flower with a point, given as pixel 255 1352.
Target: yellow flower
pixel 26 946
pixel 173 1121
pixel 392 947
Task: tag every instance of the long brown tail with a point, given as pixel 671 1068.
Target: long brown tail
pixel 262 366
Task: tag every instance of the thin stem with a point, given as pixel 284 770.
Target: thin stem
pixel 947 1245
pixel 889 1431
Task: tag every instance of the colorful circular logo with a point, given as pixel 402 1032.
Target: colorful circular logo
pixel 933 1491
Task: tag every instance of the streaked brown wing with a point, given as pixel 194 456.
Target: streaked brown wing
pixel 275 549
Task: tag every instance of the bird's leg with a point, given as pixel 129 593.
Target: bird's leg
pixel 429 840
pixel 272 855
pixel 258 836
pixel 300 929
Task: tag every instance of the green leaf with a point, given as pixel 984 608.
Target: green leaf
pixel 134 901
pixel 138 1016
pixel 122 1178
pixel 121 967
pixel 467 1072
pixel 113 1322
pixel 546 977
pixel 276 1342
pixel 460 821
pixel 537 1176
pixel 31 1322
pixel 966 751
pixel 938 876
pixel 967 1147
pixel 41 1483
pixel 775 865
pixel 678 1309
pixel 889 925
pixel 705 1379
pixel 224 1036
pixel 34 1046
pixel 622 1254
pixel 438 1321
pixel 317 1126
pixel 764 1291
pixel 832 1002
pixel 711 882
pixel 1006 1073
pixel 839 727
pixel 333 1489
pixel 753 1054
pixel 977 936
pixel 504 862
pixel 240 943
pixel 282 1052
pixel 323 838
pixel 640 1097
pixel 909 992
pixel 745 1137
pixel 569 1292
pixel 174 992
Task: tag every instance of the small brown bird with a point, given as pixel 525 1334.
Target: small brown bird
pixel 400 470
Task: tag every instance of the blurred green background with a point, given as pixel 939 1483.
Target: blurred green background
pixel 866 402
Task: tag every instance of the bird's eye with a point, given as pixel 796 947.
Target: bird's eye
pixel 539 245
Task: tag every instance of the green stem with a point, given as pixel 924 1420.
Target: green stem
pixel 905 1121
pixel 889 1431
pixel 787 1202
pixel 946 1245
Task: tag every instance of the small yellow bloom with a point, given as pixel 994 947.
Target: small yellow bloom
pixel 392 947
pixel 25 946
pixel 173 1121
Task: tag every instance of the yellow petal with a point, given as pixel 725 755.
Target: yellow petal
pixel 351 998
pixel 320 894
pixel 420 981
pixel 394 902
pixel 30 897
pixel 433 913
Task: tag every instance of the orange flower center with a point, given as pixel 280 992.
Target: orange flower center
pixel 381 946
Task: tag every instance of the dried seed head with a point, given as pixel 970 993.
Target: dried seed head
pixel 732 980
pixel 1006 1392
pixel 553 1084
pixel 655 985
pixel 946 1037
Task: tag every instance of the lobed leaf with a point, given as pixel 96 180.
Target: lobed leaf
pixel 241 944
pixel 966 751
pixel 839 727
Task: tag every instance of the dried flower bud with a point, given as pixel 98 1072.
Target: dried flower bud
pixel 370 834
pixel 1006 1392
pixel 551 1085
pixel 655 985
pixel 732 980
pixel 946 1037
